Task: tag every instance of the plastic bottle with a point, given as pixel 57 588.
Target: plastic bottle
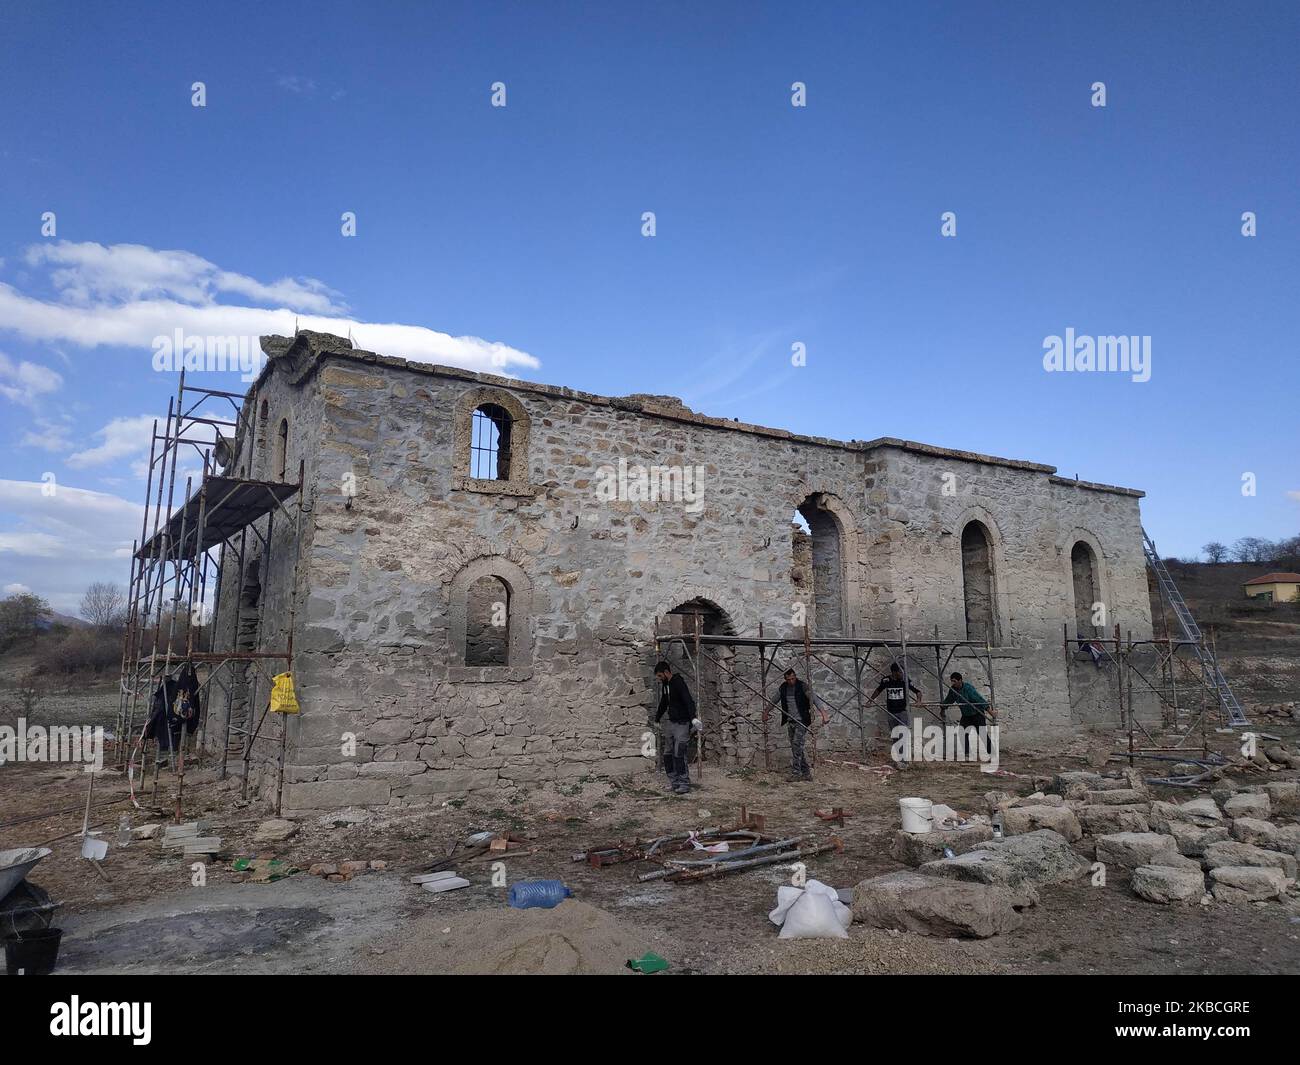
pixel 124 830
pixel 544 893
pixel 997 826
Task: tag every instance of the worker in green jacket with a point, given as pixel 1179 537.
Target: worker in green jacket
pixel 975 709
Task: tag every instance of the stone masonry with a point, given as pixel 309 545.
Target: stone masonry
pixel 412 689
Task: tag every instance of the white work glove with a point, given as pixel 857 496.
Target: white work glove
pixel 697 724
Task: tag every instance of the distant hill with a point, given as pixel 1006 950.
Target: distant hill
pixel 1258 643
pixel 66 620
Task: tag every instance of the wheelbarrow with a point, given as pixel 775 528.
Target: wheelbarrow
pixel 16 864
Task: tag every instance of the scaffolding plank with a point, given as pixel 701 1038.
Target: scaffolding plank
pixel 232 504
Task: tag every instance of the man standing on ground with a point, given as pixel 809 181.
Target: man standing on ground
pixel 896 686
pixel 975 710
pixel 796 719
pixel 675 700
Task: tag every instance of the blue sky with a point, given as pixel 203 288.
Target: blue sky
pixel 511 237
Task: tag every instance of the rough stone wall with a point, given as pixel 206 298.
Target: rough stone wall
pixel 387 611
pixel 258 456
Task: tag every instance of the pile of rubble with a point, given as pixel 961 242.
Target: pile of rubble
pixel 1233 846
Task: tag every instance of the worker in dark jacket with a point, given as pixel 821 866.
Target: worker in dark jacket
pixel 796 716
pixel 675 701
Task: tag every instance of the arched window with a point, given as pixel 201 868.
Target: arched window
pixel 977 582
pixel 490 612
pixel 489 452
pixel 1083 569
pixel 282 448
pixel 819 562
pixel 487 622
pixel 491 443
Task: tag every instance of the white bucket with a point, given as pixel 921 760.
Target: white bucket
pixel 916 814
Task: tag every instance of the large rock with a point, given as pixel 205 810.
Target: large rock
pixel 1075 784
pixel 1244 805
pixel 1164 883
pixel 1116 797
pixel 1279 755
pixel 1105 820
pixel 1231 853
pixel 1131 849
pixel 1032 860
pixel 1286 838
pixel 1202 812
pixel 1020 819
pixel 1039 799
pixel 914 848
pixel 1253 830
pixel 1193 840
pixel 1240 884
pixel 276 830
pixel 1284 795
pixel 939 906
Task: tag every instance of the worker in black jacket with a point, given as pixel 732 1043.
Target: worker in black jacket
pixel 675 701
pixel 797 719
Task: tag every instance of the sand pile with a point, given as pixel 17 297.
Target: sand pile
pixel 572 938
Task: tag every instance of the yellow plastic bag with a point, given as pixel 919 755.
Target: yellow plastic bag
pixel 283 699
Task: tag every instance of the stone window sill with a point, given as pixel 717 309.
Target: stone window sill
pixel 498 488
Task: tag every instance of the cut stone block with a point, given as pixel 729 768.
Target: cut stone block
pixel 276 830
pixel 1032 860
pixel 1192 839
pixel 939 906
pixel 1131 849
pixel 1116 797
pixel 1020 819
pixel 1163 883
pixel 1257 806
pixel 1075 784
pixel 1238 884
pixel 1253 830
pixel 1232 853
pixel 914 848
pixel 1106 820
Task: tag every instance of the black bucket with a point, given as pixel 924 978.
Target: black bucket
pixel 33 953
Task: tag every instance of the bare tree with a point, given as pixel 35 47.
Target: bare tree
pixel 1252 549
pixel 104 605
pixel 1215 551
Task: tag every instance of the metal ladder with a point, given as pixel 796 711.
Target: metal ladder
pixel 1213 675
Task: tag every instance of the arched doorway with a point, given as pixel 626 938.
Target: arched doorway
pixel 719 696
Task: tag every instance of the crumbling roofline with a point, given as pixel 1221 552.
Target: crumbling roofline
pixel 306 347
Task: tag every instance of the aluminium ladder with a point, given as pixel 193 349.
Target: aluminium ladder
pixel 1214 677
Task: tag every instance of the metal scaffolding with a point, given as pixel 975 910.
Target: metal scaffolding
pixel 178 564
pixel 1184 691
pixel 746 720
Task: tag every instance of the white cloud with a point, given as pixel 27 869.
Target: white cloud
pixel 128 295
pixel 57 544
pixel 1294 494
pixel 17 589
pixel 121 438
pixel 23 382
pixel 48 436
pixel 87 273
pixel 299 85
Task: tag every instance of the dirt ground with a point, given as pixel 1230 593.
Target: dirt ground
pixel 148 917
